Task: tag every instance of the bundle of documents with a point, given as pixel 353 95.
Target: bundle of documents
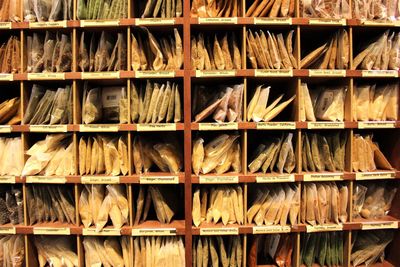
pixel 108 251
pixel 56 250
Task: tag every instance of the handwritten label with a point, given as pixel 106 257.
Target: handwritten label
pixel 375 175
pixel 219 231
pixel 380 73
pixel 273 73
pixel 383 23
pixel 100 75
pixel 271 229
pixel 8 231
pixel 5 25
pixel 155 127
pixel 99 23
pixel 325 125
pixel 324 228
pixel 218 179
pixel 46 179
pixel 98 128
pixel 51 231
pixel 379 225
pixel 215 73
pixel 5 128
pixel 276 125
pixel 155 74
pixel 7 179
pixel 6 77
pixel 340 22
pixel 279 178
pixel 154 232
pixel 329 73
pixel 100 180
pixel 233 20
pixel 46 76
pixel 154 21
pixel 218 126
pixel 309 177
pixel 273 21
pixel 159 179
pixel 376 124
pixel 48 128
pixel 48 24
pixel 104 232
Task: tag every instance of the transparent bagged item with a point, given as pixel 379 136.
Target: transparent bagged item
pixel 47 10
pixel 160 9
pixel 325 9
pixel 375 10
pixel 10 55
pixel 215 9
pixel 278 247
pixel 56 250
pixel 13 250
pixel 277 8
pixel 221 204
pixel 102 9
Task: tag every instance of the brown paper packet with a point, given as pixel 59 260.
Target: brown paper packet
pixel 275 8
pixel 262 51
pixel 250 53
pixel 235 52
pixel 312 56
pixel 218 55
pixel 265 49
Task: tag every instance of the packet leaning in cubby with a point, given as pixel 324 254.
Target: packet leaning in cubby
pixel 11 156
pixel 10 11
pixel 218 8
pixel 12 250
pixel 10 55
pixel 160 9
pixel 56 249
pixel 271 9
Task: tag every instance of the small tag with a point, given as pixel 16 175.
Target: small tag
pixel 276 125
pixel 159 180
pixel 325 125
pixel 155 127
pixel 98 128
pixel 104 232
pixel 155 74
pixel 279 178
pixel 379 225
pixel 154 232
pixel 383 23
pixel 233 20
pixel 218 126
pixel 6 76
pixel 100 180
pixel 273 73
pixel 100 75
pixel 154 21
pixel 324 228
pixel 99 23
pixel 48 24
pixel 329 73
pixel 309 177
pixel 7 179
pixel 45 180
pixel 5 25
pixel 48 128
pixel 219 231
pixel 271 229
pixel 8 231
pixel 215 73
pixel 340 22
pixel 380 73
pixel 376 124
pixel 375 175
pixel 46 76
pixel 51 231
pixel 5 128
pixel 273 21
pixel 218 179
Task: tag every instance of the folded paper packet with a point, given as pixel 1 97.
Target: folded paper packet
pixel 219 8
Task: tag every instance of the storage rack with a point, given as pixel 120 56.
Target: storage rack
pixel 187 76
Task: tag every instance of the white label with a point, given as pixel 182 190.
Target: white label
pixel 375 175
pixel 155 127
pixel 7 179
pixel 159 180
pixel 5 25
pixel 218 179
pixel 276 125
pixel 379 225
pixel 233 20
pixel 154 21
pixel 7 231
pixel 99 23
pixel 46 76
pixel 98 128
pixel 279 178
pixel 6 76
pixel 218 126
pixel 324 73
pixel 5 128
pixel 376 124
pixel 271 229
pixel 273 21
pixel 51 231
pixel 100 75
pixel 100 180
pixel 325 125
pixel 380 73
pixel 273 73
pixel 383 23
pixel 215 73
pixel 48 24
pixel 154 232
pixel 104 232
pixel 155 74
pixel 219 231
pixel 324 228
pixel 48 128
pixel 341 22
pixel 308 177
pixel 46 179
